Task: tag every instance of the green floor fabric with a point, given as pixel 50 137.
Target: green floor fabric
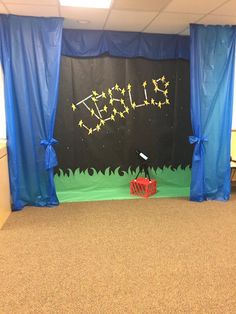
pixel 81 186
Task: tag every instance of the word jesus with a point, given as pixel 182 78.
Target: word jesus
pixel 98 104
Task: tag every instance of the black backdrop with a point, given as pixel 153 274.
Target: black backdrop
pixel 161 133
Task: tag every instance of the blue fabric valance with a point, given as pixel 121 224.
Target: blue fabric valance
pixel 91 43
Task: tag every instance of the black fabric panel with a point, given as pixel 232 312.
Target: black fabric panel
pixel 162 134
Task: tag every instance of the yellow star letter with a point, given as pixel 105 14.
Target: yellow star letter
pixel 133 105
pixel 111 101
pixel 95 93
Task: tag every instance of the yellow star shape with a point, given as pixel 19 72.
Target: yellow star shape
pixel 111 101
pixel 152 101
pixel 94 99
pixel 165 92
pixel 129 87
pixel 112 117
pixel 167 101
pixel 114 111
pixel 122 101
pixel 163 78
pixel 102 122
pixel 73 106
pixel 144 84
pixel 123 91
pixel 127 109
pixel 133 105
pixel 109 91
pixel 121 115
pixel 105 108
pixel 90 131
pixel 159 104
pixel 104 95
pixel 116 87
pixel 167 84
pixel 98 128
pixel 92 112
pixel 146 102
pixel 95 93
pixel 80 123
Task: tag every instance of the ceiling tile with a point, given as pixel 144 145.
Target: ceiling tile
pixel 30 2
pixel 193 6
pixel 2 9
pixel 33 10
pixel 171 23
pixel 128 20
pixel 96 17
pixel 134 5
pixel 218 20
pixel 227 9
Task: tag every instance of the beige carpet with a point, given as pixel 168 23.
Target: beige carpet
pixel 137 256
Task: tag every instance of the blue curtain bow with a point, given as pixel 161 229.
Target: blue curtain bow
pixel 199 141
pixel 50 154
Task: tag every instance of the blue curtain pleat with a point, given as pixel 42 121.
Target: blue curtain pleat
pixel 86 43
pixel 30 55
pixel 212 55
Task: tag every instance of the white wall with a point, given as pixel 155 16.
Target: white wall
pixel 2 107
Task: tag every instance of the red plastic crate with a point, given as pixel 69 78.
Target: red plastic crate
pixel 143 187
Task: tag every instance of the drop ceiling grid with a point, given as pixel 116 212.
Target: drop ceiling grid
pixel 137 5
pixel 154 16
pixel 33 10
pixel 95 17
pixel 179 22
pixel 228 8
pixel 193 7
pixel 131 20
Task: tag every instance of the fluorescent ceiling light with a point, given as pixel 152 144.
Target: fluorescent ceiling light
pixel 97 4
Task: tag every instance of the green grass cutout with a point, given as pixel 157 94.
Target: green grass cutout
pixel 80 186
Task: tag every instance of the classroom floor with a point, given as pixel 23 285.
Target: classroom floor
pixel 133 256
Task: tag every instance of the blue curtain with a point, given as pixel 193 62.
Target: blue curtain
pixel 30 50
pixel 212 54
pixel 86 43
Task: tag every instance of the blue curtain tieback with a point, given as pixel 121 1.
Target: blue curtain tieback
pixel 50 154
pixel 199 141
